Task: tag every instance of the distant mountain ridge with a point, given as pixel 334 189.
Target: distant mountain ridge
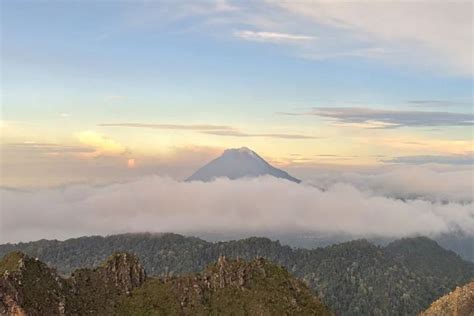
pixel 352 278
pixel 238 163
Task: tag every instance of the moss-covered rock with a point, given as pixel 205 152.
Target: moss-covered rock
pixel 30 287
pixel 352 278
pixel 228 287
pixel 119 286
pixel 459 302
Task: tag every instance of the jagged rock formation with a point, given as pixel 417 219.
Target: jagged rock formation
pixel 29 287
pixel 120 287
pixel 238 163
pixel 229 287
pixel 98 290
pixel 352 278
pixel 459 302
pixel 122 271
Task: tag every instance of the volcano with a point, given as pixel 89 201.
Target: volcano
pixel 238 163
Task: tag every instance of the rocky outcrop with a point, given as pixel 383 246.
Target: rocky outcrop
pixel 98 290
pixel 234 273
pixel 225 274
pixel 230 287
pixel 459 302
pixel 355 277
pixel 120 287
pixel 29 287
pixel 124 271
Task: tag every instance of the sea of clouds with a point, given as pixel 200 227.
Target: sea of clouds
pixel 393 203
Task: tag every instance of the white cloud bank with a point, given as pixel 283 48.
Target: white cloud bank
pixel 431 182
pixel 248 205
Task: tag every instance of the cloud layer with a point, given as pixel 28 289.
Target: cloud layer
pixel 247 205
pixel 431 182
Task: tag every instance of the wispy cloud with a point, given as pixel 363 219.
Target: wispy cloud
pixel 385 119
pixel 437 103
pixel 366 52
pixel 241 134
pixel 217 130
pixel 192 127
pixel 115 98
pixel 272 37
pixel 415 34
pixel 45 148
pixel 467 159
pixel 410 31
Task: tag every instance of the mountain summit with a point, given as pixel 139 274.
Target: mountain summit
pixel 238 163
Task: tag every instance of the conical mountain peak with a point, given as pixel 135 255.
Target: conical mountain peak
pixel 237 163
pixel 241 150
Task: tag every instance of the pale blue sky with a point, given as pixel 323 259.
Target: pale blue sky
pixel 69 57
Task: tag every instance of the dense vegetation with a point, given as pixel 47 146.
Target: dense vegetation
pixel 226 288
pixel 352 278
pixel 30 287
pixel 120 287
pixel 459 302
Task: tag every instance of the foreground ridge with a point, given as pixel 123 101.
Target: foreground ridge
pixel 459 302
pixel 228 287
pixel 30 287
pixel 120 286
pixel 352 278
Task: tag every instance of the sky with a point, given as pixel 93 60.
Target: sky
pixel 110 90
pixel 106 106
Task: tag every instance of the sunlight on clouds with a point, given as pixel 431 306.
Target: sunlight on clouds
pixel 101 144
pixel 124 153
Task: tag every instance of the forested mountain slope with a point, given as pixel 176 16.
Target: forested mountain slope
pixel 120 286
pixel 459 302
pixel 352 278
